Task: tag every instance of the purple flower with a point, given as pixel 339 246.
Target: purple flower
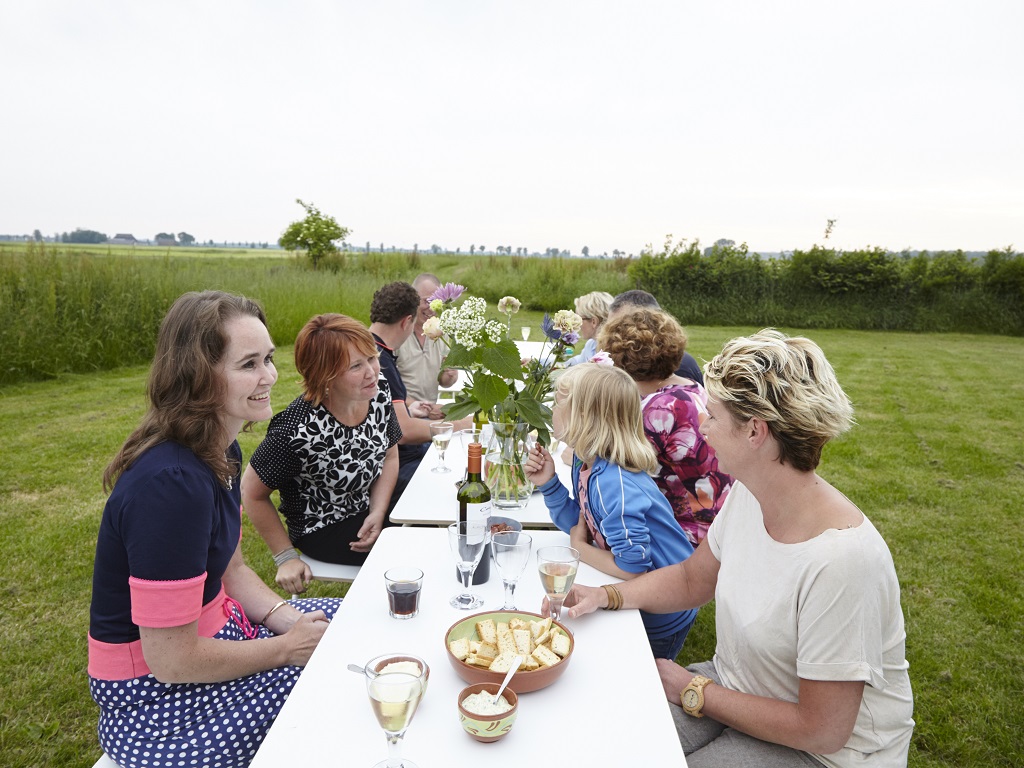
pixel 549 328
pixel 570 338
pixel 448 292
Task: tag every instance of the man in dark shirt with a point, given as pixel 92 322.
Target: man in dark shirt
pixel 688 366
pixel 392 316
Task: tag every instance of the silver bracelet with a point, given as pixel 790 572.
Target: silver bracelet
pixel 285 555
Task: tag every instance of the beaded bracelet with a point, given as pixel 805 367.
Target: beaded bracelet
pixel 285 555
pixel 614 597
pixel 271 611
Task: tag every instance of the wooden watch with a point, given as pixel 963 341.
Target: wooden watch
pixel 692 696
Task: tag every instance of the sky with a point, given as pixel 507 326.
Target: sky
pixel 533 123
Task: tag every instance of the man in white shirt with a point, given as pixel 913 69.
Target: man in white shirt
pixel 420 359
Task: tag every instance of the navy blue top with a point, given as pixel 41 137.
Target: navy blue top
pixel 408 454
pixel 168 518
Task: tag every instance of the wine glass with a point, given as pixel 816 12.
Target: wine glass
pixel 557 567
pixel 441 434
pixel 468 542
pixel 511 550
pixel 395 689
pixel 525 330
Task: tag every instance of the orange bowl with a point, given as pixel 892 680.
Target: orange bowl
pixel 522 681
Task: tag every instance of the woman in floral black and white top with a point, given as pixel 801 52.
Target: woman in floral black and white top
pixel 332 454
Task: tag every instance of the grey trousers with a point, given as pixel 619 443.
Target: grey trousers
pixel 709 744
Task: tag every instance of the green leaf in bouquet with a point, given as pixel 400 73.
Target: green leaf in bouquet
pixel 489 390
pixel 460 357
pixel 503 359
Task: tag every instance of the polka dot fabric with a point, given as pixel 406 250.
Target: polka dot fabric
pixel 144 722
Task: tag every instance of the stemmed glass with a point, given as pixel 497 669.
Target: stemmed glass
pixel 525 330
pixel 511 550
pixel 467 542
pixel 441 434
pixel 557 567
pixel 394 695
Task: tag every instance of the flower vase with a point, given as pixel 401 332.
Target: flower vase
pixel 507 452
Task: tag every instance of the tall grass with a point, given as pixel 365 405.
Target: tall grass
pixel 75 309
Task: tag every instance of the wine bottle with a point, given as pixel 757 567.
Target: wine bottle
pixel 475 509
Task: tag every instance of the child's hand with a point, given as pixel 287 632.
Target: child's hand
pixel 579 535
pixel 539 467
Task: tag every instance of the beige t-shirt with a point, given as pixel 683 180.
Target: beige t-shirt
pixel 419 367
pixel 823 609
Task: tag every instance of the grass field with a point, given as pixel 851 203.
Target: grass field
pixel 935 461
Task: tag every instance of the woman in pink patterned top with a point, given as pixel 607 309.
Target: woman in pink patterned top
pixel 648 344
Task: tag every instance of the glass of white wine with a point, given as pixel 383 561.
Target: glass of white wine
pixel 557 567
pixel 525 330
pixel 395 688
pixel 441 435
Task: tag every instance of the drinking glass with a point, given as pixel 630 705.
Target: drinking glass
pixel 441 434
pixel 394 695
pixel 526 332
pixel 557 567
pixel 511 550
pixel 467 545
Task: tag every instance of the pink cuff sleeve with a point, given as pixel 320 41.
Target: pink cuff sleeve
pixel 161 604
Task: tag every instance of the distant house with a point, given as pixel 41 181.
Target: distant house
pixel 166 240
pixel 123 239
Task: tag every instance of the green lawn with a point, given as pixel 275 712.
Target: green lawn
pixel 935 461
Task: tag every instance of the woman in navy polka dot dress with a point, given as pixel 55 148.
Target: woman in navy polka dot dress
pixel 191 655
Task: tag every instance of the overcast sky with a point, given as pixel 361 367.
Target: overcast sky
pixel 607 124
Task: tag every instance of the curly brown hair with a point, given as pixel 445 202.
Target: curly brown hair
pixel 646 343
pixel 393 302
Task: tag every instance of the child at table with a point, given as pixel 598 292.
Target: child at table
pixel 617 518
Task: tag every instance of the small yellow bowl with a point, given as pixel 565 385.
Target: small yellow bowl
pixel 488 728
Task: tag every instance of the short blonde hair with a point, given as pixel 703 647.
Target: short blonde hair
pixel 787 382
pixel 595 304
pixel 603 419
pixel 647 343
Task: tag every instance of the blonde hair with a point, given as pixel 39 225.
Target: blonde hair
pixel 602 417
pixel 595 304
pixel 789 384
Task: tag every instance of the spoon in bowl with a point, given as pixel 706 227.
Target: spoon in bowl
pixel 516 663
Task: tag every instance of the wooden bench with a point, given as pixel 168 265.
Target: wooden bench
pixel 329 571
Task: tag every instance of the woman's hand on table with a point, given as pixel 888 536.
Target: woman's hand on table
pixel 305 635
pixel 580 601
pixel 539 467
pixel 293 576
pixel 673 678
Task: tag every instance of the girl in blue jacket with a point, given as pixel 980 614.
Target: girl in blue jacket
pixel 617 517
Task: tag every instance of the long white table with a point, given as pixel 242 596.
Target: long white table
pixel 608 708
pixel 429 499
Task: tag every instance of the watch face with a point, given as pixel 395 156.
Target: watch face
pixel 690 698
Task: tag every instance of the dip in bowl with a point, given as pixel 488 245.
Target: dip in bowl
pixel 486 727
